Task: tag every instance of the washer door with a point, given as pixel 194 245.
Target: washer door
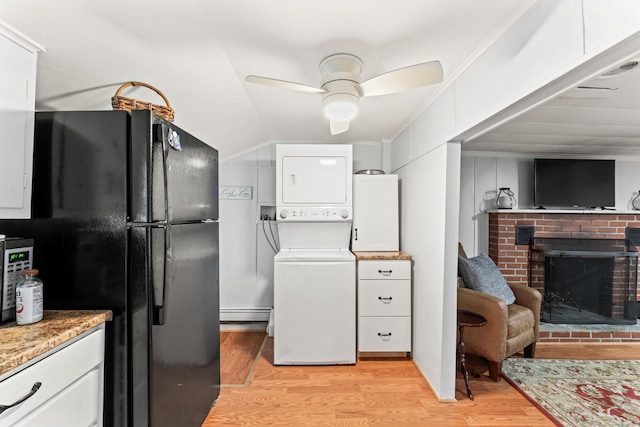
pixel 314 313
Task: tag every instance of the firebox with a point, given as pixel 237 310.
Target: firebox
pixel 584 280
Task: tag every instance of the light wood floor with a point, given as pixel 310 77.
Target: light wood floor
pixel 383 392
pixel 238 351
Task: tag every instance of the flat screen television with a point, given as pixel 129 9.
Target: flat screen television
pixel 574 183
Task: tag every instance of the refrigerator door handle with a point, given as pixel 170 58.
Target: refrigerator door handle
pixel 160 192
pixel 161 258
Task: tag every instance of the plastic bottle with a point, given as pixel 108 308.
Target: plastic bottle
pixel 29 298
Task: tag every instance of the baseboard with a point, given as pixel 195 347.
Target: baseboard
pixel 244 314
pixel 384 354
pixel 242 326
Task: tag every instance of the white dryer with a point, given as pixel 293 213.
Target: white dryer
pixel 314 272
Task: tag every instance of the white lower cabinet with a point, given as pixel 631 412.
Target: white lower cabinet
pixel 384 306
pixel 70 392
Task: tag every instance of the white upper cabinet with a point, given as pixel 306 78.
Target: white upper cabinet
pixel 375 213
pixel 18 61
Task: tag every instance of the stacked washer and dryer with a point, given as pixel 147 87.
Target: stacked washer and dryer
pixel 314 272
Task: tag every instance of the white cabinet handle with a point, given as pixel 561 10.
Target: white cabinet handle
pixel 385 272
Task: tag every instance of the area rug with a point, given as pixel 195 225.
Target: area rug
pixel 603 393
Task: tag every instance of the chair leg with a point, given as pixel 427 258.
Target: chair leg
pixel 530 351
pixel 495 370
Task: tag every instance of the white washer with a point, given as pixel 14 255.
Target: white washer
pixel 314 306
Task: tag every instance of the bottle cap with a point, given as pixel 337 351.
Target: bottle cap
pixel 32 272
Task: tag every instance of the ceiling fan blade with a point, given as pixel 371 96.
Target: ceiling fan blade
pixel 283 84
pixel 339 126
pixel 402 79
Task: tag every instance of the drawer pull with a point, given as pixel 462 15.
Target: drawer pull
pixel 35 388
pixel 385 272
pixel 380 334
pixel 385 299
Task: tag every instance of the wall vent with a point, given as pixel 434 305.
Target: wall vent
pixel 627 66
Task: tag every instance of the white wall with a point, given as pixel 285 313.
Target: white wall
pixel 238 246
pixel 482 176
pixel 607 22
pixel 545 44
pixel 428 169
pixel 429 203
pixel 540 46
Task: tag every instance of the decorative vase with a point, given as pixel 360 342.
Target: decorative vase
pixel 636 202
pixel 505 199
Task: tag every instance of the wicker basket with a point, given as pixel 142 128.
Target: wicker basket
pixel 122 103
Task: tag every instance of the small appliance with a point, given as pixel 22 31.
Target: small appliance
pixel 16 255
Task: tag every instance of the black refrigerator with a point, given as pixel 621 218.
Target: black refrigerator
pixel 124 217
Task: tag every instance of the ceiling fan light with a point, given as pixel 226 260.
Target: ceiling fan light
pixel 341 106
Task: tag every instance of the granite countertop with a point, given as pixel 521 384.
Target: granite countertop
pixel 20 344
pixel 382 255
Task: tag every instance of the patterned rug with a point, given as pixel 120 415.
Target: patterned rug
pixel 580 393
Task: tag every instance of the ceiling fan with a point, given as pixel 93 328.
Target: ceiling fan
pixel 341 88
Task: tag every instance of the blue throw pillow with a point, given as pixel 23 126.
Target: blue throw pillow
pixel 482 274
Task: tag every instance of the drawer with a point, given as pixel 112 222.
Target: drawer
pixel 384 298
pixel 384 334
pixel 55 372
pixel 77 405
pixel 384 270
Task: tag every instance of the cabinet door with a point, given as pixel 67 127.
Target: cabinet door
pixel 375 213
pixel 17 86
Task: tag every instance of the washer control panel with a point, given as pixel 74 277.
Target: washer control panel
pixel 315 214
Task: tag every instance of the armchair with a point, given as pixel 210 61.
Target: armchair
pixel 509 328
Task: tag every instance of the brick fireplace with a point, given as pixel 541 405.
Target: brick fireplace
pixel 513 259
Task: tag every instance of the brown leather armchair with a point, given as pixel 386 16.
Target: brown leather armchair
pixel 509 328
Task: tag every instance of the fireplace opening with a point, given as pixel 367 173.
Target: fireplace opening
pixel 585 281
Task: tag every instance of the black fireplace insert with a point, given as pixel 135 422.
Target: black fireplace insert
pixel 584 280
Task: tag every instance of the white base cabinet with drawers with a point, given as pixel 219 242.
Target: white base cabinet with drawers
pixel 70 392
pixel 384 306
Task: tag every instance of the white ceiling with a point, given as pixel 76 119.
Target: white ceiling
pixel 599 118
pixel 199 51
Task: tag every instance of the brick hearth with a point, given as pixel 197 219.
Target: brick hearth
pixel 513 260
pixel 589 333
